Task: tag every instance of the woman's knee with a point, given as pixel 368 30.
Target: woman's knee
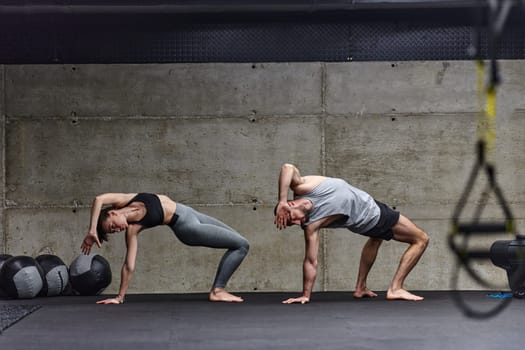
pixel 245 246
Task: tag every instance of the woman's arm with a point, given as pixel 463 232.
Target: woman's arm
pixel 128 267
pixel 117 200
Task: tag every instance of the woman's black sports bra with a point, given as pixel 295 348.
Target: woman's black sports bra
pixel 154 212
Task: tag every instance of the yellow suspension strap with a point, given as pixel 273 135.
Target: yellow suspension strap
pixel 487 113
pixel 462 231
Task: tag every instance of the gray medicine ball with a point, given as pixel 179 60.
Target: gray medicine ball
pixel 21 277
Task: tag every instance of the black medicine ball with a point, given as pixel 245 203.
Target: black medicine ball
pixel 3 258
pixel 56 275
pixel 90 274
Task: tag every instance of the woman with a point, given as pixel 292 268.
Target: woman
pixel 134 212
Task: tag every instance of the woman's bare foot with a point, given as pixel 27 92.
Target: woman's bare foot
pixel 364 293
pixel 218 294
pixel 402 294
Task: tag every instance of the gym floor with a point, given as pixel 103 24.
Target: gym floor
pixel 333 320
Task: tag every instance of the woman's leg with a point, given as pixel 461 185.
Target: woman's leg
pixel 197 229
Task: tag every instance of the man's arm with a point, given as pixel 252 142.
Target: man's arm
pixel 290 179
pixel 311 240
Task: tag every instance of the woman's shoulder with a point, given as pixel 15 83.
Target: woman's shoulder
pixel 117 200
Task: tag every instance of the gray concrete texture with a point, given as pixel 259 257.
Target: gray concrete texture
pixel 214 136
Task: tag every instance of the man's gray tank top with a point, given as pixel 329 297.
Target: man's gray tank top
pixel 336 196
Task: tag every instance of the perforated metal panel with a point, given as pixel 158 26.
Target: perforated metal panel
pixel 394 41
pixel 165 39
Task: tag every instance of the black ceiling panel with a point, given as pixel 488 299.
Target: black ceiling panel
pixel 327 36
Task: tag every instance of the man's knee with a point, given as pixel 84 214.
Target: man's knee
pixel 422 238
pixel 406 231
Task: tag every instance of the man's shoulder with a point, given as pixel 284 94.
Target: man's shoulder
pixel 314 178
pixel 308 184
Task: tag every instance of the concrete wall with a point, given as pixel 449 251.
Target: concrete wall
pixel 215 135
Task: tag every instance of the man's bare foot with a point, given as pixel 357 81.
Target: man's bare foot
pixel 364 293
pixel 218 294
pixel 402 294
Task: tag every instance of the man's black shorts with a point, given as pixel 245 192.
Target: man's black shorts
pixel 387 219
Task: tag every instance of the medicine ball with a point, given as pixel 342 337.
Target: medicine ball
pixel 56 275
pixel 21 277
pixel 90 274
pixel 3 258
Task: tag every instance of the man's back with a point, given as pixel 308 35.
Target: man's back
pixel 333 196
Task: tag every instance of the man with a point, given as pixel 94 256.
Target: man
pixel 323 202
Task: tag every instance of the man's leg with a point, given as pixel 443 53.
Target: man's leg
pixel 368 257
pixel 406 231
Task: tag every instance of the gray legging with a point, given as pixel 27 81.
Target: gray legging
pixel 196 229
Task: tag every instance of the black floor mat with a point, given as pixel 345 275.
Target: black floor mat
pixel 11 314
